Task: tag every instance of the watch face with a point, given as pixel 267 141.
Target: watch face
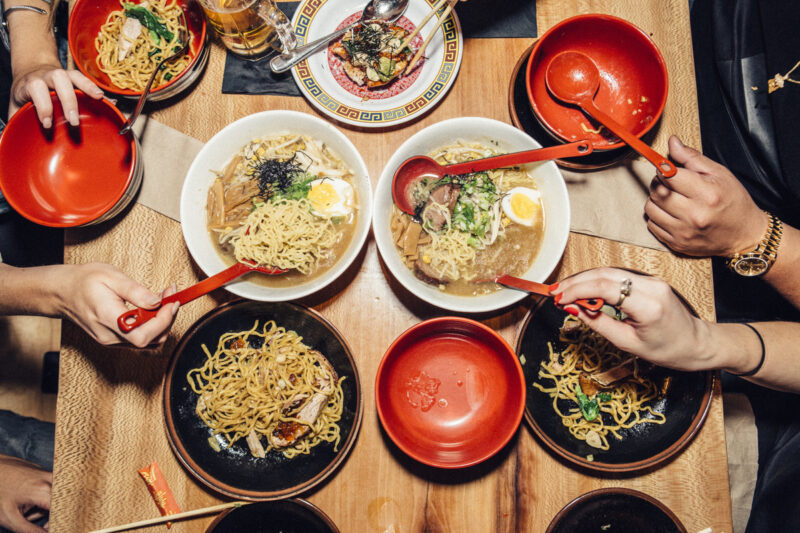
pixel 751 266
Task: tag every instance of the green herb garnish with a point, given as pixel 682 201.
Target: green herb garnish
pixel 149 21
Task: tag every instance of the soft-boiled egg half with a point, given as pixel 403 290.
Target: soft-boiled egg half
pixel 330 197
pixel 522 205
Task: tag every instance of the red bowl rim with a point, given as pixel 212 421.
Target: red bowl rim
pixel 72 27
pixel 517 415
pixel 595 16
pixel 26 109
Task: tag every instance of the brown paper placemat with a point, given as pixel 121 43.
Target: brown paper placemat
pixel 604 203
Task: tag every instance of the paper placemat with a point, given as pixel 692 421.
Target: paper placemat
pixel 606 203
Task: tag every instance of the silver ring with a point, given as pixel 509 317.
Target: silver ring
pixel 624 291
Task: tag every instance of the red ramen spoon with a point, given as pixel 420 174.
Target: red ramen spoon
pixel 590 304
pixel 134 318
pixel 418 167
pixel 574 78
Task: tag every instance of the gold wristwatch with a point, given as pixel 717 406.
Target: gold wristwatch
pixel 757 261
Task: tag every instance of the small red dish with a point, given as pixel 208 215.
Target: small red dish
pixel 450 392
pixel 67 176
pixel 633 78
pixel 85 20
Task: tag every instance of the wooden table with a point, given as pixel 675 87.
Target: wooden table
pixel 109 419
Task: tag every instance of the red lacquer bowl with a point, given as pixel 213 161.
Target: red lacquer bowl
pixel 633 78
pixel 450 392
pixel 85 20
pixel 69 176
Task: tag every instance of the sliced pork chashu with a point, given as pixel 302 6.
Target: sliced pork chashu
pixel 304 407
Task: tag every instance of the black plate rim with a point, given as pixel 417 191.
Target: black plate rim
pixel 305 504
pixel 621 468
pixel 208 480
pixel 610 491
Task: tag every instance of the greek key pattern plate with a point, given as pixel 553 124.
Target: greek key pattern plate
pixel 315 18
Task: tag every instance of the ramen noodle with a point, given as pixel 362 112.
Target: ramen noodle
pixel 470 227
pixel 136 38
pixel 266 386
pixel 593 415
pixel 286 202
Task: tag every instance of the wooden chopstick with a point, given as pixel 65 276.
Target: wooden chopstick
pixel 424 21
pixel 446 12
pixel 171 518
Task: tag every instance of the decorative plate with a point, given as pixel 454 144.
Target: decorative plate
pixel 322 81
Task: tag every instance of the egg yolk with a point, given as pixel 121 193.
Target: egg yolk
pixel 523 206
pixel 323 197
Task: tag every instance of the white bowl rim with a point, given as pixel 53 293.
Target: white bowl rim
pixel 465 126
pixel 199 243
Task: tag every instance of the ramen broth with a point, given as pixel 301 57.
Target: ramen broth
pixel 470 228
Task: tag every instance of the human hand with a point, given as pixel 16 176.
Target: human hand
pixel 25 486
pixel 703 210
pixel 93 295
pixel 35 83
pixel 658 327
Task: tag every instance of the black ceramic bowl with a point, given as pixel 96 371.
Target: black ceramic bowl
pixel 615 511
pixel 284 516
pixel 234 471
pixel 644 446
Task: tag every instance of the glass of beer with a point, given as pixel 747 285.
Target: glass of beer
pixel 250 29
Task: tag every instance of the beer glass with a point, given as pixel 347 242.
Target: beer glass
pixel 250 29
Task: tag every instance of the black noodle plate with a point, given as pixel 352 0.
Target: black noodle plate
pixel 523 117
pixel 643 446
pixel 233 471
pixel 615 511
pixel 284 516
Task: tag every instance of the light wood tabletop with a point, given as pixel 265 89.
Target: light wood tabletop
pixel 109 418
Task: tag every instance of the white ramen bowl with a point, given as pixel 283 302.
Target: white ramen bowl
pixel 218 151
pixel 549 181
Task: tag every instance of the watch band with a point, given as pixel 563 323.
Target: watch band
pixel 759 260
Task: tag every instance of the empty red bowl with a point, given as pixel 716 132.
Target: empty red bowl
pixel 85 20
pixel 69 176
pixel 633 78
pixel 450 392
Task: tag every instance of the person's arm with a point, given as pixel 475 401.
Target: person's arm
pixel 35 65
pixel 704 210
pixel 661 329
pixel 91 295
pixel 25 487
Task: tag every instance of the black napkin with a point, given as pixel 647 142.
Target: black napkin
pixel 479 19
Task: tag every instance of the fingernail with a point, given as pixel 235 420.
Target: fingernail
pixel 47 122
pixel 558 297
pixel 73 118
pixel 154 301
pixel 571 310
pixel 553 287
pixel 175 307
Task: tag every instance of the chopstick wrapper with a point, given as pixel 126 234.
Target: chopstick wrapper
pixel 157 485
pixel 606 203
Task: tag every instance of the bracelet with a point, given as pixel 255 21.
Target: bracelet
pixel 21 8
pixel 763 353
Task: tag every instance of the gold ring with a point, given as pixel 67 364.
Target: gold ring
pixel 624 291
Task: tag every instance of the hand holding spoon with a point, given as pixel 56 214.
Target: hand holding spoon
pixel 385 10
pixel 574 78
pixel 418 167
pixel 590 304
pixel 134 318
